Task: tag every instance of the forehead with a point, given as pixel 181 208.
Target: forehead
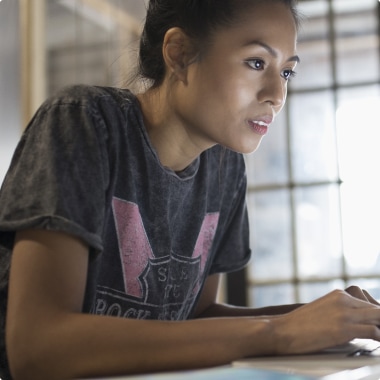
pixel 266 21
pixel 260 9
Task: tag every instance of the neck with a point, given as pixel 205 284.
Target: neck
pixel 167 134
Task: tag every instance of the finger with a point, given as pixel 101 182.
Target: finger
pixel 370 298
pixel 358 300
pixel 357 292
pixel 366 332
pixel 367 316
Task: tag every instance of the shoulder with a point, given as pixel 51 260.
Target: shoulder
pixel 82 105
pixel 91 97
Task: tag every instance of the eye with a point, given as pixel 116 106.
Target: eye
pixel 255 63
pixel 288 74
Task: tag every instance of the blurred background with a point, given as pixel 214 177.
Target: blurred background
pixel 314 186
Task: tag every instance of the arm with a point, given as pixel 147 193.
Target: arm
pixel 334 319
pixel 208 306
pixel 48 337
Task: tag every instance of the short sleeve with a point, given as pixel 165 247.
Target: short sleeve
pixel 58 175
pixel 232 245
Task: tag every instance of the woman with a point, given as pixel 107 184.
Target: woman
pixel 122 210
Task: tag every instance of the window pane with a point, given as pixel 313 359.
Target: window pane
pixel 92 42
pixel 357 43
pixel 318 231
pixel 313 47
pixel 260 296
pixel 353 6
pixel 269 164
pixel 314 71
pixel 358 121
pixel 270 235
pixel 310 292
pixel 313 139
pixel 361 225
pixel 62 59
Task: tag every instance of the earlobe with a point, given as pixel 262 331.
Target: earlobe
pixel 177 52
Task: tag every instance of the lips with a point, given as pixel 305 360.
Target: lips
pixel 260 125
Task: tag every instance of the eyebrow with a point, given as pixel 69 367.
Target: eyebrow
pixel 273 52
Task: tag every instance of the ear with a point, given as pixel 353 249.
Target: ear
pixel 178 51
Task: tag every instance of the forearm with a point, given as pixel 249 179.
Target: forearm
pixel 84 345
pixel 224 310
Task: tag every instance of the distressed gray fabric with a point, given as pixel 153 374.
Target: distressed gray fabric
pixel 85 166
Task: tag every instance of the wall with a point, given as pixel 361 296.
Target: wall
pixel 10 107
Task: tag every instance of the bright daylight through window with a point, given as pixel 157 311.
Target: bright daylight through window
pixel 314 184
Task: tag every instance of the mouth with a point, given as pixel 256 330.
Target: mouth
pixel 260 127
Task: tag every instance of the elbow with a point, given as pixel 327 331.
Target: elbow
pixel 22 363
pixel 36 351
pixel 26 357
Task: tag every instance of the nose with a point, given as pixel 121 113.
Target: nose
pixel 273 90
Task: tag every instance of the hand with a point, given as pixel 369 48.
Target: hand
pixel 362 294
pixel 334 319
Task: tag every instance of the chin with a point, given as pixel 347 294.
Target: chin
pixel 245 148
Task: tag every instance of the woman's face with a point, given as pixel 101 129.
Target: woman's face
pixel 233 93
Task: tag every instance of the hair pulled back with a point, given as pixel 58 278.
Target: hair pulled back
pixel 197 18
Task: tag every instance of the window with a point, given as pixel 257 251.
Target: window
pixel 49 44
pixel 94 42
pixel 314 187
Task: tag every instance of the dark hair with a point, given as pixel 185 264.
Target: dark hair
pixel 197 18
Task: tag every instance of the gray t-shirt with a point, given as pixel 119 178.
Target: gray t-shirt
pixel 85 166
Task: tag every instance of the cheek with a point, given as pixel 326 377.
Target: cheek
pixel 233 95
pixel 219 95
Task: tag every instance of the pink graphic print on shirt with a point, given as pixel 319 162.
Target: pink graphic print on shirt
pixel 135 250
pixel 141 269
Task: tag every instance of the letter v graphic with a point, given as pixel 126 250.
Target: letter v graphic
pixel 134 246
pixel 204 241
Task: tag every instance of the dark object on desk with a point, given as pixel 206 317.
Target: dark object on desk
pixel 237 288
